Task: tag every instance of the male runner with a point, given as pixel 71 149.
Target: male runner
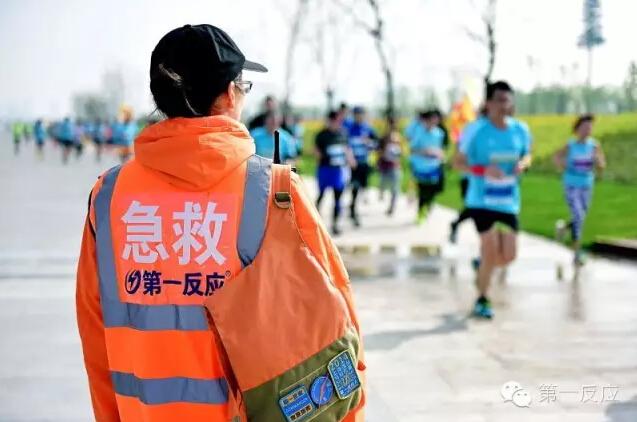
pixel 426 160
pixel 494 156
pixel 361 138
pixel 334 158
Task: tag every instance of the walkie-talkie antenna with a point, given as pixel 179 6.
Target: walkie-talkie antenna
pixel 277 151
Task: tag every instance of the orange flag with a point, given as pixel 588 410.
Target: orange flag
pixel 462 113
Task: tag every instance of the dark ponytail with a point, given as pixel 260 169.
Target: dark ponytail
pixel 174 97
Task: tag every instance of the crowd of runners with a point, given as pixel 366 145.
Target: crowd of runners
pixel 491 152
pixel 71 135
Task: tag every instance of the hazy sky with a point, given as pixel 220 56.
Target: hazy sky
pixel 50 49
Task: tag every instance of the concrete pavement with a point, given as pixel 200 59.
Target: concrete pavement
pixel 560 340
pixel 570 341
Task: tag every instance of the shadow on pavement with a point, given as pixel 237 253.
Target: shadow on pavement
pixel 622 411
pixel 389 340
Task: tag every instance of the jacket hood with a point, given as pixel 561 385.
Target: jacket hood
pixel 194 153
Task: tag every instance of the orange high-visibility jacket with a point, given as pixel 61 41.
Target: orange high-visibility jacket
pixel 164 233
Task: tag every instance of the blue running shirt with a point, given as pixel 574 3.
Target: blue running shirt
pixel 359 137
pixel 580 164
pixel 490 145
pixel 426 169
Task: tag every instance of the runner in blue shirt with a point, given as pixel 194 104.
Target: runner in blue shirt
pixel 269 105
pixel 78 139
pixel 124 132
pixel 294 126
pixel 467 133
pixel 494 156
pixel 39 131
pixel 361 138
pixel 66 133
pixel 413 126
pixel 426 160
pixel 264 139
pixel 99 135
pixel 578 160
pixel 344 117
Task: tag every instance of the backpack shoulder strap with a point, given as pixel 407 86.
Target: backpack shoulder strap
pixel 262 177
pixel 255 208
pixel 282 185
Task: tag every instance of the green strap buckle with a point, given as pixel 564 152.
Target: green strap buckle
pixel 283 199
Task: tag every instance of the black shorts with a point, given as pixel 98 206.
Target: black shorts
pixel 427 192
pixel 485 219
pixel 360 175
pixel 464 185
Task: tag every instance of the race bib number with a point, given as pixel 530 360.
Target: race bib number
pixel 426 169
pixel 336 155
pixel 504 157
pixel 392 153
pixel 359 148
pixel 499 191
pixel 583 163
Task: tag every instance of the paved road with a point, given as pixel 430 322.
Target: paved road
pixel 564 342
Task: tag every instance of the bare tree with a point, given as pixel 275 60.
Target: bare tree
pixel 319 57
pixel 377 31
pixel 326 39
pixel 486 38
pixel 90 106
pixel 293 40
pixel 630 87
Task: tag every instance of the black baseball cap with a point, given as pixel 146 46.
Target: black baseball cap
pixel 203 46
pixel 204 57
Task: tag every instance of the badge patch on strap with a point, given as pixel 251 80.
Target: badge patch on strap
pixel 344 375
pixel 321 390
pixel 296 405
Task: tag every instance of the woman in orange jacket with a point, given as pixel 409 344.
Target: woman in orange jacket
pixel 172 229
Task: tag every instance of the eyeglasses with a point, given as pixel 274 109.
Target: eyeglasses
pixel 244 86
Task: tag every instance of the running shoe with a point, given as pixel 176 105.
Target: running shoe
pixel 560 230
pixel 453 233
pixel 475 263
pixel 580 258
pixel 483 309
pixel 422 215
